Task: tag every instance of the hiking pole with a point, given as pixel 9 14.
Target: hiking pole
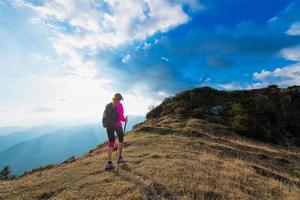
pixel 125 124
pixel 117 161
pixel 118 164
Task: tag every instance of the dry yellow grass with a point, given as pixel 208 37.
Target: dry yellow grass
pixel 170 166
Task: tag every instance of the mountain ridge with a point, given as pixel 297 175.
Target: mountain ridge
pixel 269 114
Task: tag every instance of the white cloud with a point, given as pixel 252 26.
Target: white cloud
pixel 165 59
pixel 146 46
pixel 68 98
pixel 262 75
pixel 194 4
pixel 139 99
pixel 126 58
pixel 56 99
pixel 163 94
pixel 81 27
pixel 78 30
pixel 43 109
pixel 257 85
pixel 291 53
pixel 294 29
pixel 84 27
pixel 230 86
pixel 237 86
pixel 285 76
pixel 99 24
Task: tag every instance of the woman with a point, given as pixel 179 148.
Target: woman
pixel 117 107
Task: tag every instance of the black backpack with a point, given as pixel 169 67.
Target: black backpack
pixel 110 116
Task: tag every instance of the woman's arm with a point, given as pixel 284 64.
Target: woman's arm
pixel 121 113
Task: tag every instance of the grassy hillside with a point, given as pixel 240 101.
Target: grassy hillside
pixel 269 114
pixel 171 157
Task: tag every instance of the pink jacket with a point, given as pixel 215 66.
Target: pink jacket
pixel 121 115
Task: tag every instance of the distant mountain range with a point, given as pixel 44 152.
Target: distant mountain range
pixel 31 148
pixel 9 129
pixel 13 136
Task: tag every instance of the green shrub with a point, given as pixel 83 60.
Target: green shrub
pixel 5 173
pixel 241 121
pixel 199 113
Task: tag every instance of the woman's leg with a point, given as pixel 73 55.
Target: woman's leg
pixel 109 153
pixel 111 142
pixel 120 134
pixel 120 149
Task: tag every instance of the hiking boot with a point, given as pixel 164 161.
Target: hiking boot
pixel 120 160
pixel 109 166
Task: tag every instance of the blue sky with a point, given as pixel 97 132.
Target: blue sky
pixel 62 60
